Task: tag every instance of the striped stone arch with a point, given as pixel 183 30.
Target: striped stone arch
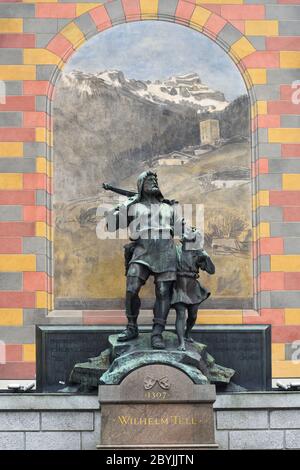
pixel 183 12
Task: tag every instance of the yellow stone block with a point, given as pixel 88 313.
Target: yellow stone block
pixel 11 25
pixel 40 56
pixel 262 230
pixel 292 316
pixel 241 49
pixel 261 28
pixel 11 149
pixel 291 182
pixel 40 134
pixel 206 317
pixel 258 76
pixel 278 352
pixel 284 135
pixel 285 369
pixel 42 229
pixel 11 181
pixel 11 316
pixel 29 352
pixel 82 8
pixel 50 305
pixel 199 17
pixel 262 107
pixel 41 165
pixel 41 299
pixel 149 8
pixel 290 59
pixel 285 263
pixel 17 263
pixel 17 72
pixel 73 34
pixel 261 198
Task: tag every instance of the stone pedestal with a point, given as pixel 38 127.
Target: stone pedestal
pixel 157 406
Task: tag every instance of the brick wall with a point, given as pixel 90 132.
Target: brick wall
pixel 37 38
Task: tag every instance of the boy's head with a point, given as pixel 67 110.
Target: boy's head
pixel 192 240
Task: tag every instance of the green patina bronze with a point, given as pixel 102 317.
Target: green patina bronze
pixel 120 359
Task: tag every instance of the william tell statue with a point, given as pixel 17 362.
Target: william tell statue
pixel 152 221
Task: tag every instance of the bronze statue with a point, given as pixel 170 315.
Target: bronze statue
pixel 152 251
pixel 188 293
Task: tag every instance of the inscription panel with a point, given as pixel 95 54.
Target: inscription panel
pixel 162 423
pixel 246 349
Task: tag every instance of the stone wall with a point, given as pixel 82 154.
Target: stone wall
pixel 243 421
pixel 37 38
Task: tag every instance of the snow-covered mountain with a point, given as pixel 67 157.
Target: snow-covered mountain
pixel 184 89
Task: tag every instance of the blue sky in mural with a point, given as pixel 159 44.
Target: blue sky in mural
pixel 151 50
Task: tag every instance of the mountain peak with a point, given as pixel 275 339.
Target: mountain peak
pixel 184 89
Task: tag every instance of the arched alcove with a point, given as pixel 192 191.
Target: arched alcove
pixel 198 18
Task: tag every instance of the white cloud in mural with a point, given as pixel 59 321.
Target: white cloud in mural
pixel 151 50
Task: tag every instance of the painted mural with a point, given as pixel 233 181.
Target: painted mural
pixel 150 95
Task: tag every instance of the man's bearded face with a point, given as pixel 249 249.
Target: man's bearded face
pixel 150 186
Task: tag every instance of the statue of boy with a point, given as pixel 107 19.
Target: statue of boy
pixel 188 293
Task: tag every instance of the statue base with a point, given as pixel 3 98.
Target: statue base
pixel 157 407
pixel 121 358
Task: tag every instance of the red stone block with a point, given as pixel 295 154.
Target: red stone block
pixel 32 87
pixel 33 282
pixel 268 120
pixel 215 24
pixel 271 246
pixel 34 181
pixel 290 150
pixel 262 59
pixel 284 198
pixel 53 10
pixel 17 40
pixel 239 24
pixel 14 134
pixel 18 103
pixel 17 197
pixel 285 333
pixel 291 2
pixel 292 281
pixel 131 9
pixel 261 166
pixel 284 43
pixel 282 107
pixel 17 370
pixel 61 46
pixel 106 317
pixel 267 316
pixel 271 281
pixel 243 12
pixel 10 245
pixel 214 8
pixel 286 92
pixel 35 213
pixel 100 17
pixel 291 214
pixel 34 119
pixel 17 229
pixel 184 11
pixel 13 352
pixel 17 299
